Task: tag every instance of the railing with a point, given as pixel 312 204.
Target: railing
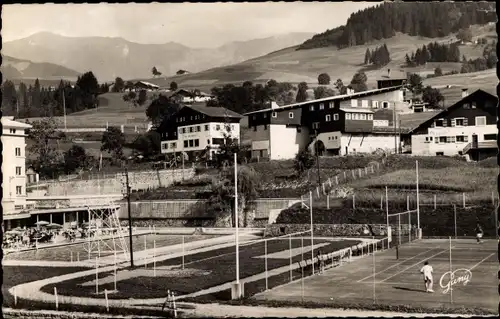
pixel 467 148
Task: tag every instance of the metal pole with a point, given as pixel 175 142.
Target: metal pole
pixel 455 219
pixel 327 201
pixel 374 285
pixel 399 229
pixel 317 158
pixel 290 247
pixel 183 252
pixel 129 220
pixel 353 201
pixel 463 199
pixel 418 201
pixel 154 257
pixel 115 271
pixel 387 213
pixel 64 108
pixel 265 258
pixel 435 201
pixel 96 277
pixel 407 202
pixel 451 274
pixel 312 230
pixel 409 227
pixel 237 219
pixel 145 255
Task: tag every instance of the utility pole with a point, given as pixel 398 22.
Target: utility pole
pixel 317 156
pixel 64 109
pixel 395 131
pixel 129 220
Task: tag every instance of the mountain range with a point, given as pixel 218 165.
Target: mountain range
pixel 13 68
pixel 108 57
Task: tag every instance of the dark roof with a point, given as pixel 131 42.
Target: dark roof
pixel 214 111
pixel 413 120
pixel 394 75
pixel 384 114
pixel 436 114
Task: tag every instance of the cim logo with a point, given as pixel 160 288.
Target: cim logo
pixel 460 276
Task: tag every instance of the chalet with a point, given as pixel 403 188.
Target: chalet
pixel 468 127
pixel 392 79
pixel 143 85
pixel 185 96
pixel 198 130
pixel 336 125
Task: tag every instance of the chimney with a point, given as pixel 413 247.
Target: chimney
pixel 465 92
pixel 350 91
pixel 274 105
pixel 388 73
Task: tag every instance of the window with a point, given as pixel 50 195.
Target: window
pixel 208 142
pixel 191 143
pixel 196 143
pixel 473 104
pixel 480 120
pixel 442 139
pixel 191 117
pixel 207 127
pixel 328 118
pixel 186 144
pixel 275 114
pixel 311 108
pixel 265 127
pixel 461 139
pixel 183 130
pixel 321 106
pixel 490 137
pixel 370 117
pixel 290 115
pixel 18 170
pixel 173 145
pixel 348 116
pixel 12 131
pixel 375 104
pixel 232 127
pixel 457 122
pixel 439 123
pixel 331 105
pixel 335 117
pixel 191 129
pixel 18 151
pixel 265 115
pixel 364 103
pixel 217 127
pixel 354 103
pixel 164 146
pixel 428 139
pixel 385 105
pixel 315 125
pixel 363 116
pixel 198 128
pixel 356 116
pixel 439 153
pixel 19 190
pixel 466 106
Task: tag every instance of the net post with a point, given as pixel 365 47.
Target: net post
pixel 290 248
pixel 328 201
pixel 353 201
pixel 455 219
pixel 435 201
pixel 407 202
pixel 451 272
pixel 463 199
pixel 374 282
pixel 265 262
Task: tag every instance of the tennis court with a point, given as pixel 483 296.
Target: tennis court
pixel 384 279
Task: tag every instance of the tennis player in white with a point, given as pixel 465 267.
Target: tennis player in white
pixel 427 271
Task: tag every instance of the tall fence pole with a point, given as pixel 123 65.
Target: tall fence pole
pixel 327 201
pixel 409 227
pixel 463 199
pixel 399 229
pixel 381 202
pixel 387 213
pixel 265 262
pixel 183 252
pixel 451 274
pixel 435 201
pixel 291 255
pixel 57 299
pixel 96 276
pixel 455 219
pixel 353 201
pixel 407 202
pixel 374 282
pixel 312 230
pixel 418 202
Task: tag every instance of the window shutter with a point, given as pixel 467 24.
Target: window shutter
pixel 445 123
pixel 448 139
pixel 453 139
pixel 453 122
pixel 466 122
pixel 466 138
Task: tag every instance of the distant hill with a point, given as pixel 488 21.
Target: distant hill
pixel 427 19
pixel 108 58
pixel 290 65
pixel 15 69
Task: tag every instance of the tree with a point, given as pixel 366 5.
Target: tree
pixel 9 98
pixel 47 159
pixel 142 98
pixel 161 109
pixel 147 144
pixel 303 161
pixel 113 141
pixel 180 72
pixel 302 92
pixel 323 79
pixel 367 56
pixel 358 82
pixel 339 85
pixel 155 72
pixel 322 92
pixel 119 85
pixel 415 83
pixel 432 96
pixel 438 71
pixel 74 158
pixel 464 35
pixel 173 86
pixel 129 85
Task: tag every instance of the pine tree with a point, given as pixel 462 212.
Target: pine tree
pixel 367 56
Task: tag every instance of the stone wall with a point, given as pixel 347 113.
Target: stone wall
pixel 138 181
pixel 330 230
pixel 71 201
pixel 169 222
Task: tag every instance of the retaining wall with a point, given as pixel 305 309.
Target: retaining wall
pixel 330 230
pixel 138 181
pixel 72 201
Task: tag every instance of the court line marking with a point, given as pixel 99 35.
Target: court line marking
pixel 396 264
pixel 480 262
pixel 414 283
pixel 411 266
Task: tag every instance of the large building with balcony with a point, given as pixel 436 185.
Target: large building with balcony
pixel 13 170
pixel 468 128
pixel 197 131
pixel 339 125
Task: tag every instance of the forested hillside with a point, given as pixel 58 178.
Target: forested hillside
pixel 426 19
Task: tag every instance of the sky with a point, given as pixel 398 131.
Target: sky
pixel 192 24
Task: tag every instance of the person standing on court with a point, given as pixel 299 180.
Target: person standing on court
pixel 479 233
pixel 427 272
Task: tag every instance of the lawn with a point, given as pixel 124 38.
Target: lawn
pixel 79 250
pixel 203 270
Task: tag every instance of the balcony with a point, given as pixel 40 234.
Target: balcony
pixel 480 146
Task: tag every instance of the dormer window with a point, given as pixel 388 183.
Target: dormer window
pixel 275 114
pixel 290 115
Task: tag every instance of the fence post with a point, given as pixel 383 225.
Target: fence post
pixel 291 255
pixel 455 219
pixel 353 201
pixel 330 182
pixel 463 199
pixel 174 305
pixel 327 201
pixel 317 191
pixel 345 175
pixel 107 301
pixel 96 276
pixel 381 202
pixel 360 172
pixel 372 169
pixel 323 186
pixel 493 198
pixel 336 180
pixel 407 202
pixel 265 262
pixel 57 299
pixel 366 170
pixel 353 174
pixel 435 201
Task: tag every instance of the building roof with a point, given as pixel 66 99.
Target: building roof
pixel 147 84
pixel 330 98
pixel 413 120
pixel 8 121
pixel 393 75
pixel 214 111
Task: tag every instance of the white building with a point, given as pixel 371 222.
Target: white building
pixel 198 130
pixel 468 127
pixel 13 167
